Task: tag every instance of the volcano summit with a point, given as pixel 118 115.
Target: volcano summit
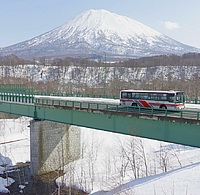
pixel 97 32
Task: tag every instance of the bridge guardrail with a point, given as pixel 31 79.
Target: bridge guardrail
pixel 23 89
pixel 98 106
pixel 76 95
pixel 186 114
pixel 14 97
pixel 29 98
pixel 191 101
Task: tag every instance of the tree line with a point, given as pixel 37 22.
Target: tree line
pixel 188 59
pixel 113 85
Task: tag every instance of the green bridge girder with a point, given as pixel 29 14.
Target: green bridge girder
pixel 180 131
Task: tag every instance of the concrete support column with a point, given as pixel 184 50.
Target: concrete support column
pixel 53 145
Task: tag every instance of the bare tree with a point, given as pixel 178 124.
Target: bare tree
pixel 164 158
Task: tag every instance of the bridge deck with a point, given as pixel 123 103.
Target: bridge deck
pixel 177 127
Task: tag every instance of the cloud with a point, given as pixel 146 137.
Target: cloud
pixel 171 25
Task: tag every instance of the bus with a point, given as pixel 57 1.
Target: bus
pixel 171 100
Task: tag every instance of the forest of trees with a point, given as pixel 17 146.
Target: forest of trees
pixel 113 85
pixel 188 59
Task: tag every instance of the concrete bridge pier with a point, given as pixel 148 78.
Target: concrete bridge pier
pixel 52 145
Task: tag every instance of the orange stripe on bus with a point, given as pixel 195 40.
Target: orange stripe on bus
pixel 145 104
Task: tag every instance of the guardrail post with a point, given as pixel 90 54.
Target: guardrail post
pixel 166 112
pixel 22 98
pixel 152 110
pixel 117 108
pixel 10 96
pixel 139 109
pixel 181 114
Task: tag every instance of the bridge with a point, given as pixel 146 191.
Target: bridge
pixel 54 114
pixel 181 127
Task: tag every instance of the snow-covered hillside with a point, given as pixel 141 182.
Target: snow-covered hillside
pixel 183 180
pixel 94 76
pixel 98 31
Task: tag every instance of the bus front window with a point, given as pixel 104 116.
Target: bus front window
pixel 180 98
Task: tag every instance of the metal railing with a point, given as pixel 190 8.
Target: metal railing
pixel 193 101
pixel 91 106
pixel 23 89
pixel 77 95
pixel 15 97
pixel 184 114
pixel 188 100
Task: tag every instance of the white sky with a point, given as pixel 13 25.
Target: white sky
pixel 24 19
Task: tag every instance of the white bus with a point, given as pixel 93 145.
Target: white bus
pixel 172 100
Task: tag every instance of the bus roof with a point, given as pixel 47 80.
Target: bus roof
pixel 149 91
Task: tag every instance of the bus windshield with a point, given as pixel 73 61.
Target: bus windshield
pixel 180 97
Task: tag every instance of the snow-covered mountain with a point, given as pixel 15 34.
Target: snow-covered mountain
pixel 97 32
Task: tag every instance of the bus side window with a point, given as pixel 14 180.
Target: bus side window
pixel 129 94
pixel 164 97
pixel 133 95
pixel 154 96
pixel 144 96
pixel 137 96
pixel 124 95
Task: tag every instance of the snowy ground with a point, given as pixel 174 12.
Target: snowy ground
pixel 14 145
pixel 184 180
pixel 183 176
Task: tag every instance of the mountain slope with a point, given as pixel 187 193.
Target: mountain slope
pixel 98 31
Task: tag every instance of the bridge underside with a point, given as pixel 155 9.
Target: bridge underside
pixel 164 129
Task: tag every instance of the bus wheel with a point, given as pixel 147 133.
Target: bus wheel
pixel 163 107
pixel 134 104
